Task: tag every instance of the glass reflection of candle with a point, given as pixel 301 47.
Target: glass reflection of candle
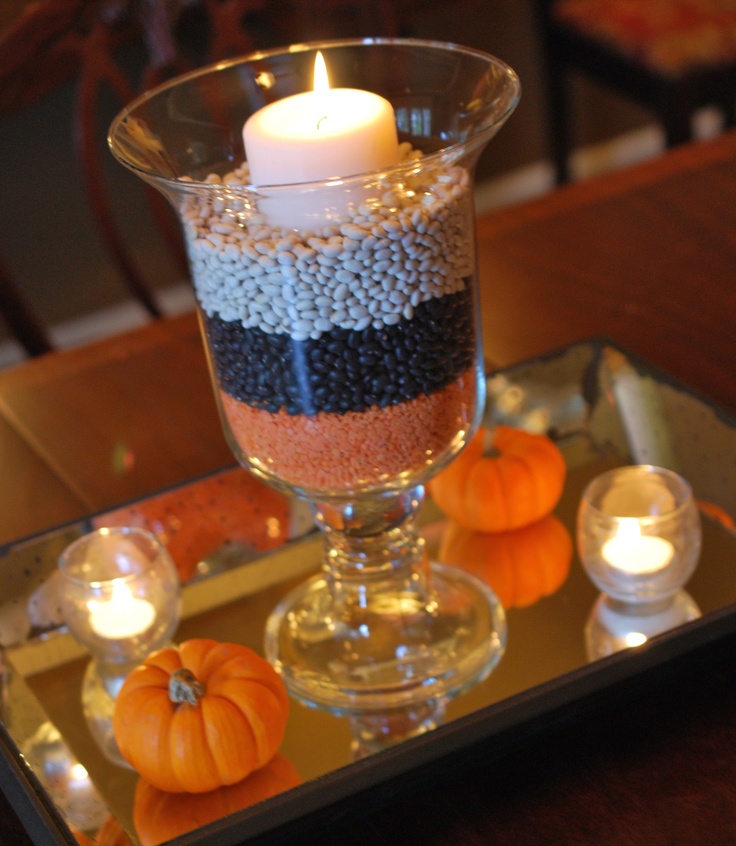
pixel 632 552
pixel 64 778
pixel 78 777
pixel 613 625
pixel 123 615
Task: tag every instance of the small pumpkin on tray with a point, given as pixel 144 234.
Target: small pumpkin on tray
pixel 200 716
pixel 520 566
pixel 504 479
pixel 159 816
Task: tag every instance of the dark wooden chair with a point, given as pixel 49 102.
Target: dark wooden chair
pixel 670 56
pixel 49 42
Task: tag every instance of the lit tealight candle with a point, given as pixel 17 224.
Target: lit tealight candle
pixel 121 616
pixel 635 553
pixel 314 136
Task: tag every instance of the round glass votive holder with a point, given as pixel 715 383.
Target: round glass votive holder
pixel 639 533
pixel 120 598
pixel 120 595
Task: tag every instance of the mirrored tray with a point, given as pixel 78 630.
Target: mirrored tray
pixel 604 408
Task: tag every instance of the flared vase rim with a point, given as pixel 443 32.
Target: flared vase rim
pixel 485 132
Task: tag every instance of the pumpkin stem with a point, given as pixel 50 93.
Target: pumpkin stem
pixel 490 450
pixel 184 687
pixel 489 444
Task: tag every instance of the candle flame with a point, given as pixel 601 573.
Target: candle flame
pixel 628 529
pixel 121 596
pixel 321 90
pixel 321 80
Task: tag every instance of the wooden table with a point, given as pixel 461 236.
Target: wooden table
pixel 647 257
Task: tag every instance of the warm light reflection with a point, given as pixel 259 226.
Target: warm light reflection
pixel 273 527
pixel 613 625
pixel 78 776
pixel 265 79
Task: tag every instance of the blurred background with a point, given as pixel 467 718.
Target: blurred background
pixel 55 70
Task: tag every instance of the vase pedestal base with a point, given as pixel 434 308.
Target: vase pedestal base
pixel 386 655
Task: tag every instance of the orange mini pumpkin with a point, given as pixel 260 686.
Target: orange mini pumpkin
pixel 200 716
pixel 159 816
pixel 515 487
pixel 520 566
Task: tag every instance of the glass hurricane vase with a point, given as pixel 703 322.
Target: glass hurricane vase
pixel 340 319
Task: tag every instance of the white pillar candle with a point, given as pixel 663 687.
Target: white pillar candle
pixel 122 615
pixel 634 553
pixel 327 133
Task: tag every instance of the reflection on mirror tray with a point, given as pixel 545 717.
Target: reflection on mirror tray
pixel 64 778
pixel 557 621
pixel 614 625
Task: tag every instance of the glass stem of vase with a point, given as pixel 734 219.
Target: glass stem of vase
pixel 373 547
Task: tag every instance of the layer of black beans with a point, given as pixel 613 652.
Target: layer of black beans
pixel 346 370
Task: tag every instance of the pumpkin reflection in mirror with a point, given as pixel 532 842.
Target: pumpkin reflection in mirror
pixel 520 566
pixel 159 816
pixel 504 479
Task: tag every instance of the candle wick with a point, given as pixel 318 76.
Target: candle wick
pixel 319 122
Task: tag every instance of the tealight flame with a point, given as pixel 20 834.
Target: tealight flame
pixel 629 530
pixel 121 597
